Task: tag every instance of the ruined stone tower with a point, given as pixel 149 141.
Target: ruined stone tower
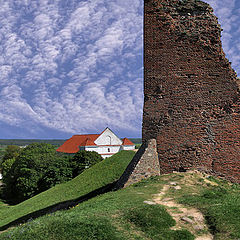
pixel 191 97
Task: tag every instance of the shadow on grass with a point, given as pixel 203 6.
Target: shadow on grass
pixel 60 206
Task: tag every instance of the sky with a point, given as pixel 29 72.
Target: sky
pixel 74 67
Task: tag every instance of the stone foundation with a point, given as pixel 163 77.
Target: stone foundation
pixel 144 164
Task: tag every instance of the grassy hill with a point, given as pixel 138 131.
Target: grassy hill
pixel 98 176
pixel 178 206
pixel 120 215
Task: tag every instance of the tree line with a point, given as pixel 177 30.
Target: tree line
pixel 38 167
pixel 25 142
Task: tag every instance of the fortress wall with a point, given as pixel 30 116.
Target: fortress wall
pixel 191 96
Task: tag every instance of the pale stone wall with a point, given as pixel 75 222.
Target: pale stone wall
pixel 144 164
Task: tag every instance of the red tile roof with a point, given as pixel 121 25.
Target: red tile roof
pixel 88 142
pixel 73 143
pixel 126 141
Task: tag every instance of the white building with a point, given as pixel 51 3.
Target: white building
pixel 106 143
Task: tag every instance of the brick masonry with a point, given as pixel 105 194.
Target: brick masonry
pixel 144 164
pixel 191 96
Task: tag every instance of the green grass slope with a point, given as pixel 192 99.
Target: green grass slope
pixel 120 215
pixel 219 201
pixel 101 174
pixel 3 206
pixel 124 214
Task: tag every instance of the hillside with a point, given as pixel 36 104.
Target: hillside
pixel 98 176
pixel 175 206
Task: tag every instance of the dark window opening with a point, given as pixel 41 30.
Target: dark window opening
pixel 181 169
pixel 108 149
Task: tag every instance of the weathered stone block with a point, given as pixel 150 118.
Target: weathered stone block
pixel 144 164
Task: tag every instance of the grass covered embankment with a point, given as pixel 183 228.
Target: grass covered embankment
pixel 125 214
pixel 100 175
pixel 3 206
pixel 120 215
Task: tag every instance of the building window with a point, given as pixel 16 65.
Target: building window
pixel 108 140
pixel 108 149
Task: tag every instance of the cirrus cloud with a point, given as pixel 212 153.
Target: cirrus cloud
pixel 73 67
pixel 77 66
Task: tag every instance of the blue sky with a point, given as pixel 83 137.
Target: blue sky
pixel 72 66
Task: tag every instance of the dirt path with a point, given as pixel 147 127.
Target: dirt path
pixel 189 218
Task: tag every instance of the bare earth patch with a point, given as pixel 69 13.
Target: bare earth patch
pixel 189 218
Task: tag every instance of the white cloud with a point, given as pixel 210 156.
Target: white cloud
pixel 68 68
pixel 228 13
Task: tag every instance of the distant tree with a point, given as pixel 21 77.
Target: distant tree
pixel 83 160
pixel 11 151
pixel 37 168
pixel 58 171
pixel 7 178
pixel 6 169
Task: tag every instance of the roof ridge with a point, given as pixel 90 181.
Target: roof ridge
pixel 126 141
pixel 86 134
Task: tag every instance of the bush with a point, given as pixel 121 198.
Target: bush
pixel 215 193
pixel 6 168
pixel 84 159
pixel 37 168
pixel 150 218
pixel 59 171
pixel 10 152
pixel 155 222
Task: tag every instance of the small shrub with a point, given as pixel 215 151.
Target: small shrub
pixel 83 160
pixel 6 168
pixel 214 193
pixel 10 152
pixel 150 217
pixel 155 222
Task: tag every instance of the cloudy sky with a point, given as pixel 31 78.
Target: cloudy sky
pixel 73 66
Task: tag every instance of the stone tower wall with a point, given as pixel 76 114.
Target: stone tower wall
pixel 191 96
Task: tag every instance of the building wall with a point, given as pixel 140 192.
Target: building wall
pixel 108 138
pixel 191 98
pixel 126 147
pixel 103 149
